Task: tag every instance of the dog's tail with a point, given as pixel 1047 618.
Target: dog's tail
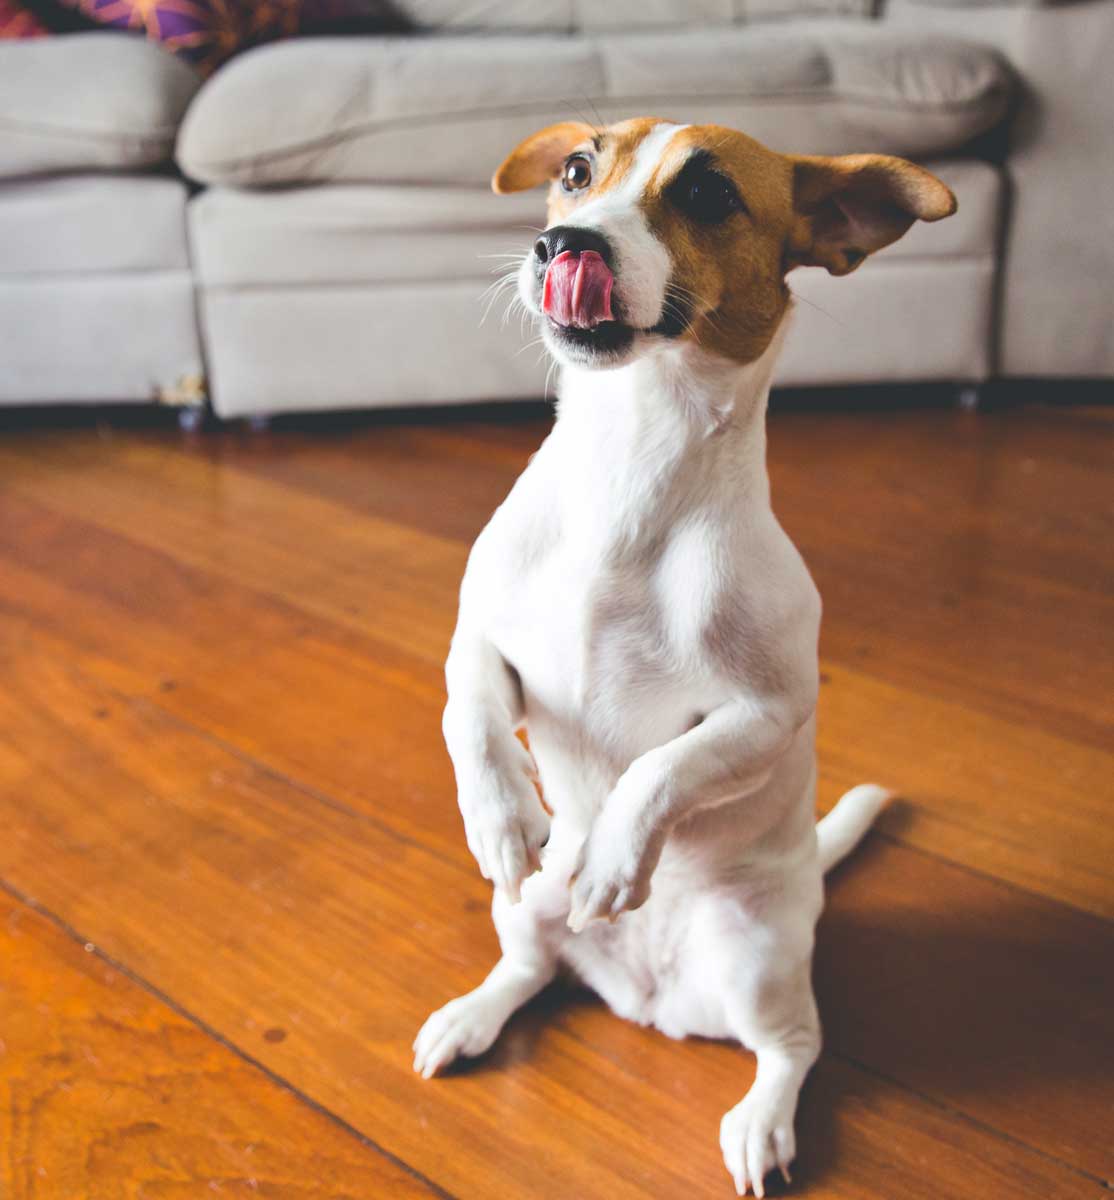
pixel 840 831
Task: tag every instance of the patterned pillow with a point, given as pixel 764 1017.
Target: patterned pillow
pixel 203 32
pixel 206 32
pixel 18 21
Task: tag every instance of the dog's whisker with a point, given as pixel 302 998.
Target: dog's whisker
pixel 496 287
pixel 812 304
pixel 538 341
pixel 492 293
pixel 512 263
pixel 513 298
pixel 690 300
pixel 548 375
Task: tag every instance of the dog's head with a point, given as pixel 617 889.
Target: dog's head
pixel 662 233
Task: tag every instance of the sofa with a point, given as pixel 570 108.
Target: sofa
pixel 312 227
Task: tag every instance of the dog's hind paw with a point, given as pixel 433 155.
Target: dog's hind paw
pixel 756 1138
pixel 465 1027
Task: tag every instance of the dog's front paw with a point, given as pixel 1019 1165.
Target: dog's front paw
pixel 756 1136
pixel 506 841
pixel 613 872
pixel 505 823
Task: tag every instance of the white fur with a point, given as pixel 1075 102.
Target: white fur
pixel 635 603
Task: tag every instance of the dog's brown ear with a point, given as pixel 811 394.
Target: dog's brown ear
pixel 539 157
pixel 848 207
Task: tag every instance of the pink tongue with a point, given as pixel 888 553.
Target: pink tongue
pixel 578 290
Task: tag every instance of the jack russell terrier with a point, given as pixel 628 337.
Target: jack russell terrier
pixel 635 604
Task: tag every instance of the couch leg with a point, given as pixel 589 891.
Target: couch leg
pixel 259 422
pixel 968 397
pixel 191 419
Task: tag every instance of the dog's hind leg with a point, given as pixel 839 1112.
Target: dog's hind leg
pixel 757 1135
pixel 468 1025
pixel 770 1008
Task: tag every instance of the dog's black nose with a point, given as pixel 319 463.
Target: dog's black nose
pixel 560 238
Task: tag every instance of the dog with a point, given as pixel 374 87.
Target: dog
pixel 635 605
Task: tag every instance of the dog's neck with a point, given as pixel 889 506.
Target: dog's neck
pixel 675 431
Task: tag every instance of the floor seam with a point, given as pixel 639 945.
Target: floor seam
pixel 157 993
pixel 940 1105
pixel 1011 885
pixel 275 775
pixel 951 1110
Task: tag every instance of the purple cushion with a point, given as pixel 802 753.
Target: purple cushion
pixel 19 21
pixel 206 32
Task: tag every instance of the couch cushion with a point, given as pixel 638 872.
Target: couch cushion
pixel 74 224
pixel 447 109
pixel 126 336
pixel 568 16
pixel 88 100
pixel 347 233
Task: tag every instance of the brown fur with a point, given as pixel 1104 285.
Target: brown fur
pixel 799 211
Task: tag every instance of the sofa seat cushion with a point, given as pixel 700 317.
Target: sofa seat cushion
pixel 381 234
pixel 344 233
pixel 97 299
pixel 446 109
pixel 89 101
pixel 76 224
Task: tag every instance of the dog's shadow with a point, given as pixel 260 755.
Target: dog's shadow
pixel 936 982
pixel 947 988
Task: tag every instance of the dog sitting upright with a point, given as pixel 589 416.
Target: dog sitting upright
pixel 635 604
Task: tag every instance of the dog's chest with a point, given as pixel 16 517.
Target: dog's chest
pixel 608 633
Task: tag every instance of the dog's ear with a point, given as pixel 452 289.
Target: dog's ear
pixel 848 207
pixel 539 157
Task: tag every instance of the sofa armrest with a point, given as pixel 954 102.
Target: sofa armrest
pixel 1057 319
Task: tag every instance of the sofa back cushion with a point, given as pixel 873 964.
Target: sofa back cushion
pixel 446 109
pixel 88 101
pixel 578 16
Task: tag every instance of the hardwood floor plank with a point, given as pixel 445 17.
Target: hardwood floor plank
pixel 442 480
pixel 370 575
pixel 961 556
pixel 357 718
pixel 1010 801
pixel 258 908
pixel 106 1092
pixel 942 554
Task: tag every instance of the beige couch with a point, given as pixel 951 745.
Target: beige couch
pixel 97 297
pixel 341 239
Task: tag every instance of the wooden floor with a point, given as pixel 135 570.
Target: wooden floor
pixel 234 880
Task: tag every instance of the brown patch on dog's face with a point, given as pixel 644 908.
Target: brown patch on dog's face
pixel 768 213
pixel 733 216
pixel 727 248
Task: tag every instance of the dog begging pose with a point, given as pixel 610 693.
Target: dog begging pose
pixel 635 604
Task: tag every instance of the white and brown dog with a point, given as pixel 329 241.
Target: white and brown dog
pixel 635 604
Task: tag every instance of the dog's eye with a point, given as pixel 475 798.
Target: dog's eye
pixel 708 197
pixel 578 174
